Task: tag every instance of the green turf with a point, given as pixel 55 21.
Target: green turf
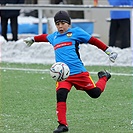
pixel 28 103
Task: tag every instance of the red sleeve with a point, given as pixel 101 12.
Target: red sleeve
pixel 41 38
pixel 98 43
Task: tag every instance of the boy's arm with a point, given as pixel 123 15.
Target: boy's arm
pixel 98 43
pixel 40 38
pixel 112 55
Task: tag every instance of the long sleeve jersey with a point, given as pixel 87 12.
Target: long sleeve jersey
pixel 66 47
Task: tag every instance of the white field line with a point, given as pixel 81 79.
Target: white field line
pixel 25 69
pixel 47 70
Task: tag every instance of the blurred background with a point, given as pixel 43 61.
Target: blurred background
pixel 99 17
pixel 95 22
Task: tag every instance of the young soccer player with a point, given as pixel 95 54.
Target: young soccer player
pixel 66 42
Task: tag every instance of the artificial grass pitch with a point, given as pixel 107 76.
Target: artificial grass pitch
pixel 28 102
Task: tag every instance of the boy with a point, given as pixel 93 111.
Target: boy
pixel 66 45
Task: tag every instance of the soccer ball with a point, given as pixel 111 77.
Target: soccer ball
pixel 59 71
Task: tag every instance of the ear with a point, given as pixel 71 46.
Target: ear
pixel 69 25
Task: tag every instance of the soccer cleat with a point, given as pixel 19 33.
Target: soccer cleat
pixel 104 74
pixel 61 128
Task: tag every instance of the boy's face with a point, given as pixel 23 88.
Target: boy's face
pixel 62 27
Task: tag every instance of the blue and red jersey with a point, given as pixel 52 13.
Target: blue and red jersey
pixel 66 47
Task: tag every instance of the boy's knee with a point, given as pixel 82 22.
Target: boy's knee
pixel 61 95
pixel 94 93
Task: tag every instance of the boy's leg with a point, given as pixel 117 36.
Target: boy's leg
pixel 61 109
pixel 62 91
pixel 61 105
pixel 100 85
pixel 94 93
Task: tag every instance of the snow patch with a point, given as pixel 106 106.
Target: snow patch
pixel 43 53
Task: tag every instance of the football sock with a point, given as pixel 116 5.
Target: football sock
pixel 101 83
pixel 61 112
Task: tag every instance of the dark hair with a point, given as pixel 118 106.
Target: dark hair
pixel 62 16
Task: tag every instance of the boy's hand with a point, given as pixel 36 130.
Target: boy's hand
pixel 112 55
pixel 29 41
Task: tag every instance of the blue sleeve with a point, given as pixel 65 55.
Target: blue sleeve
pixel 81 35
pixel 50 37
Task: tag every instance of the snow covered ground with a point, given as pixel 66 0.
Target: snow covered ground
pixel 43 53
